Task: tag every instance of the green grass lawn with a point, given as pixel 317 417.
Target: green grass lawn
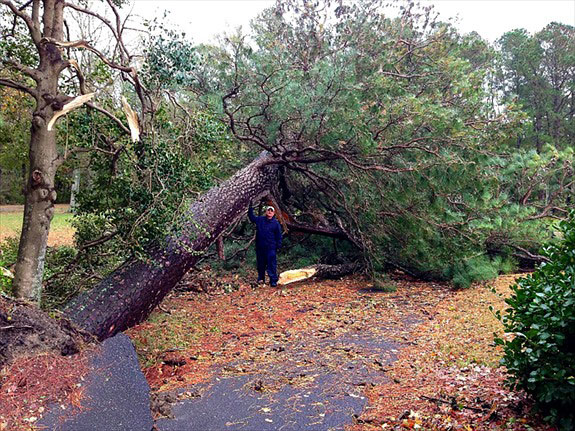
pixel 61 230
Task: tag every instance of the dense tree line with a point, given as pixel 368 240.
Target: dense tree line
pixel 434 152
pixel 406 144
pixel 430 151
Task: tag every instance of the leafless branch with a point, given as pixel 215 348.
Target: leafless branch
pixel 94 14
pixel 81 250
pixel 34 30
pixel 17 86
pixel 32 73
pixel 109 115
pixel 85 45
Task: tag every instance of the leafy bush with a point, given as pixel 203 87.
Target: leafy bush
pixel 384 285
pixel 133 201
pixel 8 255
pixel 480 268
pixel 541 317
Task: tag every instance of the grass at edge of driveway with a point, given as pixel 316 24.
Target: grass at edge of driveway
pixel 61 230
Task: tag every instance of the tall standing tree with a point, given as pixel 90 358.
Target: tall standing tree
pixel 538 72
pixel 35 59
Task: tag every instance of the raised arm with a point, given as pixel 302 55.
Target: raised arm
pixel 251 214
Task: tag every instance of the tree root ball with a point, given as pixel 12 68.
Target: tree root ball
pixel 25 330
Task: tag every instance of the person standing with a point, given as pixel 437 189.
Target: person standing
pixel 268 241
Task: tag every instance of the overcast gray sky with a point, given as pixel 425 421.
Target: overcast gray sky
pixel 202 19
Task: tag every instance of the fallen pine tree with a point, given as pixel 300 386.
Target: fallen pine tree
pixel 129 294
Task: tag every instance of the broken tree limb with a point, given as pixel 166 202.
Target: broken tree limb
pixel 129 295
pixel 132 118
pixel 318 271
pixel 76 102
pixel 318 230
pixel 336 271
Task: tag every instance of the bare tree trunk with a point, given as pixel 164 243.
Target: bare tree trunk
pixel 128 296
pixel 220 248
pixel 40 194
pixel 38 212
pixel 75 190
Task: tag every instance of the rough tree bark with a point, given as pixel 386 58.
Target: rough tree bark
pixel 336 271
pixel 220 248
pixel 40 194
pixel 128 296
pixel 44 21
pixel 38 212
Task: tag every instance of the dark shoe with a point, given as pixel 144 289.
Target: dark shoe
pixel 274 285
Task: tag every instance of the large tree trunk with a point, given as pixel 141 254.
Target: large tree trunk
pixel 40 194
pixel 38 212
pixel 127 296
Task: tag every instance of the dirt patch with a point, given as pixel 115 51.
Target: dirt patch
pixel 25 330
pixel 41 364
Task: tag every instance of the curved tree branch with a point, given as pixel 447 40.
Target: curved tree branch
pixel 32 73
pixel 85 45
pixel 32 27
pixel 17 86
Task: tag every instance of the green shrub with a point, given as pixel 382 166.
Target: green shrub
pixel 541 318
pixel 8 256
pixel 479 268
pixel 57 294
pixel 384 286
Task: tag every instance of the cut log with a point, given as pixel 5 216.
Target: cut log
pixel 293 275
pixel 318 271
pixel 332 272
pixel 128 295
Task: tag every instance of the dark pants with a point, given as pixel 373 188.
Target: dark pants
pixel 267 260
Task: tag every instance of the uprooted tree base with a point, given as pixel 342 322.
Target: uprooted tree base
pixel 26 330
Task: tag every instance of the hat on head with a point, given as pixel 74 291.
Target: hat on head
pixel 270 208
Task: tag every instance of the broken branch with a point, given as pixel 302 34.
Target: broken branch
pixel 73 104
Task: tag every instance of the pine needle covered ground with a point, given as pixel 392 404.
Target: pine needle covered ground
pixel 422 357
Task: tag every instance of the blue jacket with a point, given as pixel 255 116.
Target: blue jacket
pixel 268 232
